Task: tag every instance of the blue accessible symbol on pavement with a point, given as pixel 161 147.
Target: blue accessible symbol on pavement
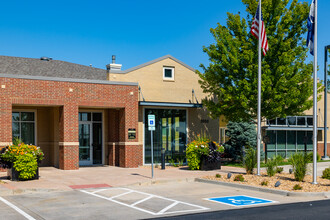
pixel 240 200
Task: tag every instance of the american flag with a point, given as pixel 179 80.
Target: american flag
pixel 255 31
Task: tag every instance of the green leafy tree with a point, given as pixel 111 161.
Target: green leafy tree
pixel 231 77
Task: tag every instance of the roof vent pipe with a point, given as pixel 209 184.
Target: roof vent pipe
pixel 113 67
pixel 46 58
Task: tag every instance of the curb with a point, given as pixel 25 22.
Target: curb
pixel 10 192
pixel 267 190
pixel 155 182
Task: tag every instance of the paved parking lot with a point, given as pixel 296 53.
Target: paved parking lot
pixel 135 202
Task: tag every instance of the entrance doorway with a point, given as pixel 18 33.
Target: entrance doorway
pixel 170 134
pixel 90 138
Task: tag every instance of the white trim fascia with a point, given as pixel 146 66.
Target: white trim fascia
pixel 6 143
pixel 68 143
pixel 58 79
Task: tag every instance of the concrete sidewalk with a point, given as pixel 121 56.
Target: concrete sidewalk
pixel 53 179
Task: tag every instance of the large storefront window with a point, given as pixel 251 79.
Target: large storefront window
pixel 23 126
pixel 287 142
pixel 170 134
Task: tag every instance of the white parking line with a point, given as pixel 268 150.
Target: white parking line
pixel 20 211
pixel 121 203
pixel 142 200
pixel 149 196
pixel 100 190
pixel 168 207
pixel 119 194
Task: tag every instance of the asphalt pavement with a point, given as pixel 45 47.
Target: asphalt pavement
pixel 179 200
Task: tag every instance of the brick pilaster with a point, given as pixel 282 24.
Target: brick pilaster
pixel 69 140
pixel 5 122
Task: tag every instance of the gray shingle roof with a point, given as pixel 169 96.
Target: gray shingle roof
pixel 52 68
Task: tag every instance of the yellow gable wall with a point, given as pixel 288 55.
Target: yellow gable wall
pixel 154 88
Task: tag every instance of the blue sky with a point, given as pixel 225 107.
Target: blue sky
pixel 89 32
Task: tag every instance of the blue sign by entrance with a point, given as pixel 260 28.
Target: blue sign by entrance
pixel 240 200
pixel 151 122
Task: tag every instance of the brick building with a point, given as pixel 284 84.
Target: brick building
pixel 71 111
pixel 83 116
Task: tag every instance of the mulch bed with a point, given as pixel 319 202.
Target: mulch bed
pixel 287 182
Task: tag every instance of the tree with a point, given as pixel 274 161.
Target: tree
pixel 231 77
pixel 241 134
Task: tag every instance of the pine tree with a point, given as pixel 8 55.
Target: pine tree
pixel 231 77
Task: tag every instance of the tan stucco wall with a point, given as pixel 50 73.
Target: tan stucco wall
pixel 320 117
pixel 209 127
pixel 154 88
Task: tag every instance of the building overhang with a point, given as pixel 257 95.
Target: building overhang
pixel 59 79
pixel 170 104
pixel 290 128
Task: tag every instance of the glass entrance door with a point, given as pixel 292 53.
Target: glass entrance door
pixel 85 143
pixel 170 134
pixel 90 138
pixel 97 143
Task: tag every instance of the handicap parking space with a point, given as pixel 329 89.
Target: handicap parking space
pixel 240 200
pixel 144 202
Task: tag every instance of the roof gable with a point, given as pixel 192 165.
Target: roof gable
pixel 152 62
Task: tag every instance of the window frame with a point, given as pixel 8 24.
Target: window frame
pixel 168 78
pixel 20 123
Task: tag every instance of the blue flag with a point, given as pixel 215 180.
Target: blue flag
pixel 311 27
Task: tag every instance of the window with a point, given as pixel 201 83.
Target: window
pixel 292 121
pixel 310 121
pixel 271 122
pixel 301 121
pixel 281 121
pixel 168 73
pixel 23 126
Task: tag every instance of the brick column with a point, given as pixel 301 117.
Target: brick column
pixel 122 138
pixel 113 136
pixel 320 149
pixel 69 140
pixel 130 151
pixel 5 122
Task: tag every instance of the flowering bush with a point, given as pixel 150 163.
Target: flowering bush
pixel 201 147
pixel 24 158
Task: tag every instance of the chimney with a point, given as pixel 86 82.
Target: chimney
pixel 113 67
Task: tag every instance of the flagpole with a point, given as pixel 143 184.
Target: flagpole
pixel 315 99
pixel 259 94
